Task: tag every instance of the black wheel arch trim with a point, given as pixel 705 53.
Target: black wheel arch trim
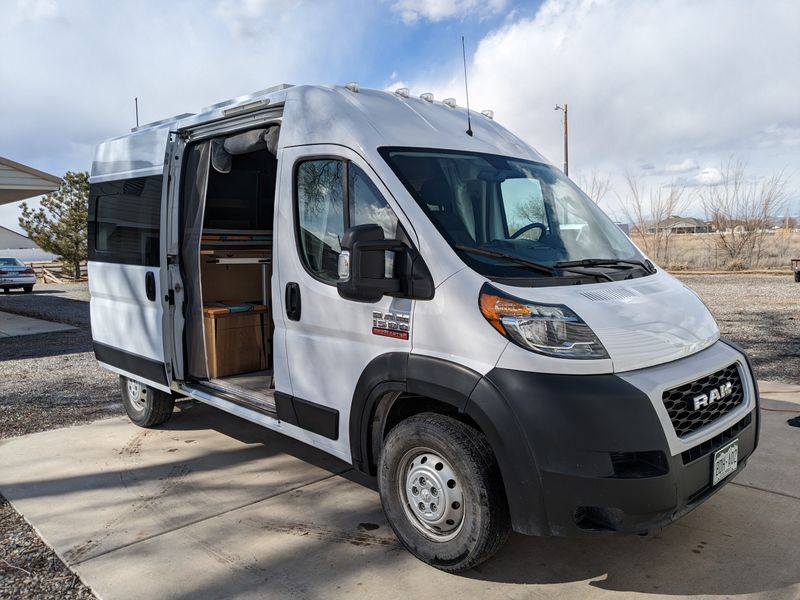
pixel 757 411
pixel 471 394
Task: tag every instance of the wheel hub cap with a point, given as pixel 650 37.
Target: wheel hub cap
pixel 136 394
pixel 434 498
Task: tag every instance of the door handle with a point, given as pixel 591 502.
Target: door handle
pixel 150 286
pixel 293 301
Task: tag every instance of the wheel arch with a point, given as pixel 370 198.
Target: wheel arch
pixel 429 384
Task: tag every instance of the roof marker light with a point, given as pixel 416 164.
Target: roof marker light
pixel 427 96
pixel 488 113
pixel 451 102
pixel 352 86
pixel 246 107
pixel 403 92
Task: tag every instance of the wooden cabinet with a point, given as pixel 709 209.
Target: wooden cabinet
pixel 237 342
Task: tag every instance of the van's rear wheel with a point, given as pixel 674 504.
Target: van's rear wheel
pixel 27 289
pixel 146 406
pixel 442 493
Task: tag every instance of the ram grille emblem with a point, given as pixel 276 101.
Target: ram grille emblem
pixel 704 400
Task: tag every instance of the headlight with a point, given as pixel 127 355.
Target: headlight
pixel 550 329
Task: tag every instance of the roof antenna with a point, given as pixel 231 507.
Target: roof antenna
pixel 136 107
pixel 466 84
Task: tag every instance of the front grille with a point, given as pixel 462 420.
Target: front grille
pixel 679 401
pixel 717 442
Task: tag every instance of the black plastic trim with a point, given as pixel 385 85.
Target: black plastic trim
pixel 308 415
pixel 757 393
pixel 427 376
pixel 146 368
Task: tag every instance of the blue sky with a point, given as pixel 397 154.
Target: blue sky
pixel 666 90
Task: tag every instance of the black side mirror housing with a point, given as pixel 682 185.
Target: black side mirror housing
pixel 371 267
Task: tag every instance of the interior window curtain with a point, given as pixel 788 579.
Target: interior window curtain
pixel 194 201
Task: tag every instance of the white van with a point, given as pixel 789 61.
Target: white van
pixel 441 308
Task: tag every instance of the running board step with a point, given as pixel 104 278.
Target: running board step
pixel 264 399
pixel 255 402
pixel 230 405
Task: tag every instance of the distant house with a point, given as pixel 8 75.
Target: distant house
pixel 17 245
pixel 19 182
pixel 678 224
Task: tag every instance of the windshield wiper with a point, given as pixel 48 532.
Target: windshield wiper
pixel 495 254
pixel 607 262
pixel 528 263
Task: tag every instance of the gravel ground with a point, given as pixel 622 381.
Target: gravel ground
pixel 52 380
pixel 46 381
pixel 760 313
pixel 28 568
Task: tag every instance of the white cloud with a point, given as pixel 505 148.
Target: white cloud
pixel 687 165
pixel 708 176
pixel 648 83
pixel 32 11
pixel 252 18
pixel 411 11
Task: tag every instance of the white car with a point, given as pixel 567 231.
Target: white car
pixel 16 274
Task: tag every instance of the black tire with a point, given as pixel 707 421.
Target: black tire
pixel 797 276
pixel 27 289
pixel 146 407
pixel 463 462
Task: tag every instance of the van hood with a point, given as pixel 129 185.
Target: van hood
pixel 641 322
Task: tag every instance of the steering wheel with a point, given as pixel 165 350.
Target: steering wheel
pixel 527 228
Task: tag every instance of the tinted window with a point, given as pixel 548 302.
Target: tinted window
pixel 367 205
pixel 510 207
pixel 124 221
pixel 11 262
pixel 320 212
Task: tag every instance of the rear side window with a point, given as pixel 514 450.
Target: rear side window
pixel 124 221
pixel 332 195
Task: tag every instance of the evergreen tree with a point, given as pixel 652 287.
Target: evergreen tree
pixel 59 226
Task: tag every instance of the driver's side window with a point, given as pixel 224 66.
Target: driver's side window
pixel 523 203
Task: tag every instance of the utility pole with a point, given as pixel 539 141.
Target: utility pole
pixel 566 136
pixel 136 107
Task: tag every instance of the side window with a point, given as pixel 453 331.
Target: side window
pixel 125 218
pixel 524 204
pixel 367 205
pixel 320 213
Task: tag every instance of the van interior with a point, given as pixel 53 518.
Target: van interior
pixel 235 267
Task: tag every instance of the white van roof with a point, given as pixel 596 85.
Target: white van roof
pixel 313 114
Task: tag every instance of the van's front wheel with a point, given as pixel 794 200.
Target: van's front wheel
pixel 441 490
pixel 146 406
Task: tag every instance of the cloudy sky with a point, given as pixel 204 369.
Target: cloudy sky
pixel 666 89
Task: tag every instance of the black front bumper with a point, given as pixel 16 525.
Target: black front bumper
pixel 588 452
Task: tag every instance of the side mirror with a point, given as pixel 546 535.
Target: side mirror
pixel 371 267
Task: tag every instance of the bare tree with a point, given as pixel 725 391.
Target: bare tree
pixel 597 186
pixel 741 210
pixel 647 210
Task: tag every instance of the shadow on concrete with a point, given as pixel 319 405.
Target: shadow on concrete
pixel 736 543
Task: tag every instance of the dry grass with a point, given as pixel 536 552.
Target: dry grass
pixel 701 252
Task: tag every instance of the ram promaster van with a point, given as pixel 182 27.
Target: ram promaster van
pixel 435 304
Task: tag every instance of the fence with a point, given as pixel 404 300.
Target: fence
pixel 51 271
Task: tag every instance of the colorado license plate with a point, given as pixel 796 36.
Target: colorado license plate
pixel 726 460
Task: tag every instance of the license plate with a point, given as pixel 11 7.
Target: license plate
pixel 726 460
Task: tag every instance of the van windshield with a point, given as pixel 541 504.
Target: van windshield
pixel 501 214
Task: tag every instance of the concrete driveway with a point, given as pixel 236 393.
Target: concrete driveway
pixel 210 506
